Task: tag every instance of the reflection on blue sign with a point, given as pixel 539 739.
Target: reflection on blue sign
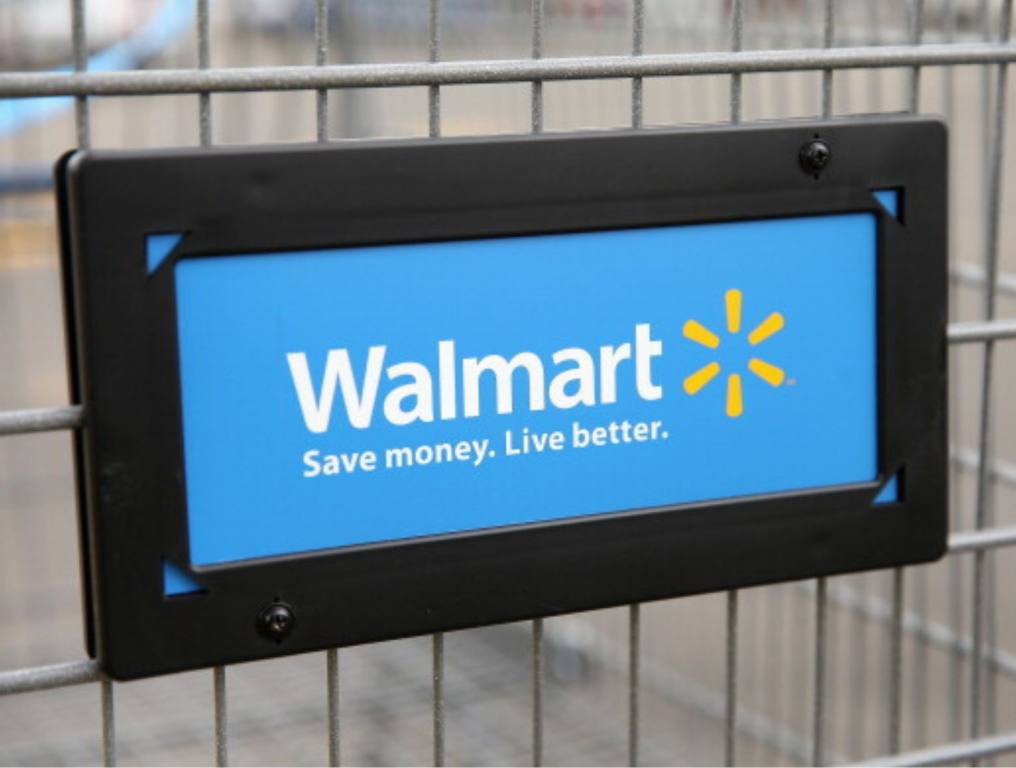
pixel 356 395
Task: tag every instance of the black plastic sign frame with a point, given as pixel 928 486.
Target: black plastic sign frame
pixel 125 369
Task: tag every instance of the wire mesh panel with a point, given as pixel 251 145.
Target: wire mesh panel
pixel 918 665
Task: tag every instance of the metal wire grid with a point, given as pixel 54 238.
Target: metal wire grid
pixel 996 51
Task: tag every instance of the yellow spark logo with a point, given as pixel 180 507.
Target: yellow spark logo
pixel 768 372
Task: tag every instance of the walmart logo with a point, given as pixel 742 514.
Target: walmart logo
pixel 768 372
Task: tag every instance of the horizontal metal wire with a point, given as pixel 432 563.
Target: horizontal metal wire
pixel 962 333
pixel 72 416
pixel 175 81
pixel 972 274
pixel 985 538
pixel 968 459
pixel 77 672
pixel 939 635
pixel 52 676
pixel 954 753
pixel 41 419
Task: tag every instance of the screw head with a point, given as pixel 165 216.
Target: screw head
pixel 815 156
pixel 276 621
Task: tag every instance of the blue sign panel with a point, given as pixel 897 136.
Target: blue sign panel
pixel 357 395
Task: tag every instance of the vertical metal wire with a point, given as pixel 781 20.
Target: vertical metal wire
pixel 434 91
pixel 221 722
pixel 775 671
pixel 898 595
pixel 990 618
pixel 83 134
pixel 996 149
pixel 205 137
pixel 332 654
pixel 993 162
pixel 778 35
pixel 859 655
pixel 638 22
pixel 818 716
pixel 80 52
pixel 332 677
pixel 634 630
pixel 895 696
pixel 919 668
pixel 895 663
pixel 434 131
pixel 828 29
pixel 320 59
pixel 536 124
pixel 956 656
pixel 858 679
pixel 204 60
pixel 537 51
pixel 874 38
pixel 917 30
pixel 538 692
pixel 108 722
pixel 991 643
pixel 438 647
pixel 730 738
pixel 834 636
pixel 634 623
pixel 736 44
pixel 984 14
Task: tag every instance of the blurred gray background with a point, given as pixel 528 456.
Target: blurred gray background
pixel 277 708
